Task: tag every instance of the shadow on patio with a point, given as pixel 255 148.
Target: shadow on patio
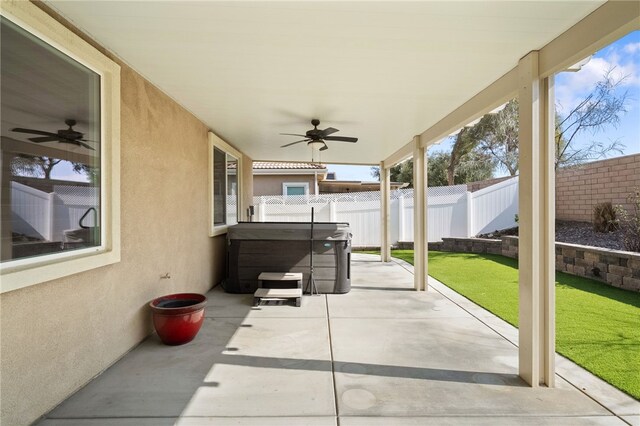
pixel 377 354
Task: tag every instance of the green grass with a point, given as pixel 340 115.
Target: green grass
pixel 597 326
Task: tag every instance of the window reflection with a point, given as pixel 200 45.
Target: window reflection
pixel 219 193
pixel 50 149
pixel 232 190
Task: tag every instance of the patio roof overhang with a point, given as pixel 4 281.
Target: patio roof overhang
pixel 381 71
pixel 237 68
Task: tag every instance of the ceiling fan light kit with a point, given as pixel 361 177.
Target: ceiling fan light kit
pixel 316 145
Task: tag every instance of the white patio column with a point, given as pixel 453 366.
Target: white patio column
pixel 385 214
pixel 419 216
pixel 537 230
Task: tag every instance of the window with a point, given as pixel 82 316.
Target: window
pixel 295 188
pixel 225 167
pixel 59 106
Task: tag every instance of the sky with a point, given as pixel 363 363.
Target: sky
pixel 623 56
pixel 570 87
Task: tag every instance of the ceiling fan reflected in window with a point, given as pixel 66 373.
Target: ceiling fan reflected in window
pixel 63 136
pixel 316 138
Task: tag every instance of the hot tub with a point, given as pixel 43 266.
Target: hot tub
pixel 255 247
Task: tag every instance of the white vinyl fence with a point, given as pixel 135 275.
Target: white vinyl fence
pixel 46 216
pixel 452 211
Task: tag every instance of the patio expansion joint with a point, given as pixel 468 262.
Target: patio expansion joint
pixel 477 415
pixel 407 266
pixel 333 367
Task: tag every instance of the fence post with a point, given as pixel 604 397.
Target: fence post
pixel 50 215
pixel 332 211
pixel 401 218
pixel 262 206
pixel 469 214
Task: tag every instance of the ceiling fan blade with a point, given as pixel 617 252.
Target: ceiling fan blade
pixel 34 132
pixel 77 142
pixel 85 145
pixel 329 130
pixel 324 148
pixel 293 143
pixel 341 139
pixel 293 134
pixel 41 139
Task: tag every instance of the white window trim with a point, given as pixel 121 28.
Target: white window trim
pixel 285 185
pixel 26 272
pixel 216 142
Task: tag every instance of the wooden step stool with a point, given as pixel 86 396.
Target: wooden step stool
pixel 279 293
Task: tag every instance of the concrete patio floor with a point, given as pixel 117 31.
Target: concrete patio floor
pixel 381 355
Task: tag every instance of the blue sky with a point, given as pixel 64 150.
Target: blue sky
pixel 623 55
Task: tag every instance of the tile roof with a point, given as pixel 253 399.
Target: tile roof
pixel 264 165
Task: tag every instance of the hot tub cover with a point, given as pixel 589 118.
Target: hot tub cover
pixel 289 231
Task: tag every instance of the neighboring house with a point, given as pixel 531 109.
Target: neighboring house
pixel 272 178
pixel 329 186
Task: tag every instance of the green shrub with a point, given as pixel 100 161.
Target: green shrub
pixel 604 217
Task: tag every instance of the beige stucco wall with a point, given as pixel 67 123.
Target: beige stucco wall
pixel 57 335
pixel 247 186
pixel 272 184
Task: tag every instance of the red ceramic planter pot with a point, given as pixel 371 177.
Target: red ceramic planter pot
pixel 177 318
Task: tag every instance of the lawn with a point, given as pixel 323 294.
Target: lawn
pixel 597 326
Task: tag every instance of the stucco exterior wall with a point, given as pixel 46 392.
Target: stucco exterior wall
pixel 579 189
pixel 57 335
pixel 272 184
pixel 247 187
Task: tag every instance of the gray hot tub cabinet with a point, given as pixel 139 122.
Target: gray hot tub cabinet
pixel 255 247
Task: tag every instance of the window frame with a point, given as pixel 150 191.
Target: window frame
pixel 286 185
pixel 25 272
pixel 215 142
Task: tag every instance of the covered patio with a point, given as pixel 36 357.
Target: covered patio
pixel 380 355
pixel 177 101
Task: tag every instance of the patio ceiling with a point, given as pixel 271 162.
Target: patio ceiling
pixel 381 71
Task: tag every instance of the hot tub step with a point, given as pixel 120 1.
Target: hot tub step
pixel 277 293
pixel 280 276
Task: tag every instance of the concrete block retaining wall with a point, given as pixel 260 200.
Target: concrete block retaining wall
pixel 613 267
pixel 579 189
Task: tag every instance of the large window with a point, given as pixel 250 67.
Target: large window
pixel 59 138
pixel 225 194
pixel 51 148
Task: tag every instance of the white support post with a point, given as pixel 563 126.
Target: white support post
pixel 385 217
pixel 536 213
pixel 425 221
pixel 419 217
pixel 332 211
